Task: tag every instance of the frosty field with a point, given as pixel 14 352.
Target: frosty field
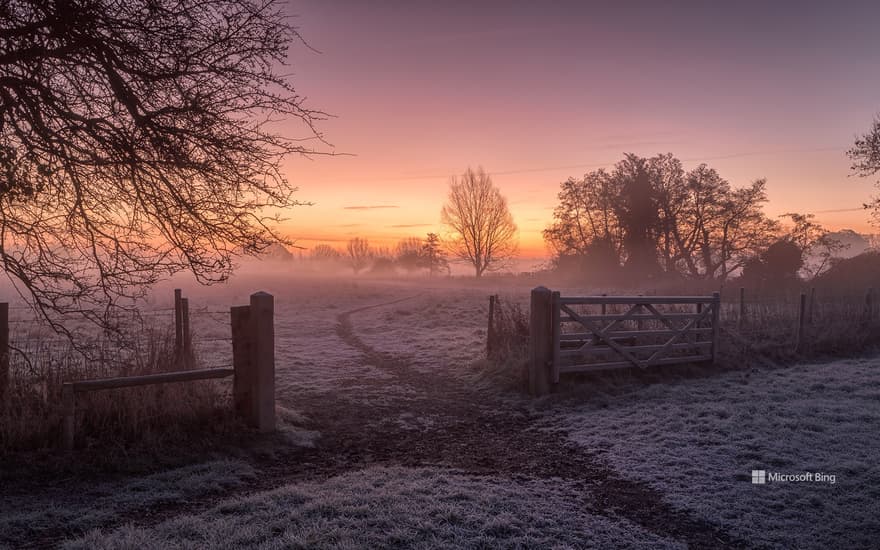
pixel 391 435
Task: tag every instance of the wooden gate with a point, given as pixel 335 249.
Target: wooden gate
pixel 592 333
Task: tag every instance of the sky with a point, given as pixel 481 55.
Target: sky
pixel 537 92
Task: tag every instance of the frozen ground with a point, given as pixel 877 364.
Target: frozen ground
pixel 392 507
pixel 25 515
pixel 697 442
pixel 386 440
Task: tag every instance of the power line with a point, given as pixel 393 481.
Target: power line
pixel 836 210
pixel 611 163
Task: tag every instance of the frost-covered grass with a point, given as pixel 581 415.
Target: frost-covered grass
pixel 697 441
pixel 310 357
pixel 437 329
pixel 392 507
pixel 694 440
pixel 24 515
pixel 155 415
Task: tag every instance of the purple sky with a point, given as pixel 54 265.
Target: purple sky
pixel 537 92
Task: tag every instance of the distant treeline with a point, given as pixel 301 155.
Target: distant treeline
pixel 648 219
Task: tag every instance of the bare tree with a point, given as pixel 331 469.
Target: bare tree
pixel 865 156
pixel 586 214
pixel 359 254
pixel 408 253
pixel 817 245
pixel 482 226
pixel 687 223
pixel 134 144
pixel 432 255
pixel 325 253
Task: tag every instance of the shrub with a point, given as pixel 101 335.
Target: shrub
pixel 508 348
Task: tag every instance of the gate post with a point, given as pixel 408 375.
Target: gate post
pixel 540 341
pixel 263 354
pixel 253 359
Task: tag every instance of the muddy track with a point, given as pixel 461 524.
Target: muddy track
pixel 484 435
pixel 470 430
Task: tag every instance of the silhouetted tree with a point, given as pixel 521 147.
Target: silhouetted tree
pixel 585 215
pixel 865 155
pixel 477 214
pixel 776 267
pixel 649 214
pixel 637 215
pixel 433 257
pixel 408 254
pixel 278 252
pixel 816 243
pixel 359 254
pixel 325 253
pixel 133 143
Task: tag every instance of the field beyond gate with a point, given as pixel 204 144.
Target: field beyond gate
pixel 591 333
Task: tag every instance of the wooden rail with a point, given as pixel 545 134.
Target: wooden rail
pixel 70 389
pixel 253 370
pixel 148 379
pixel 641 334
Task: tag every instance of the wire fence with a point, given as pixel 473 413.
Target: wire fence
pixel 784 324
pixel 36 348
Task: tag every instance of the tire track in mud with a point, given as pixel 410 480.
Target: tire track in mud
pixel 481 434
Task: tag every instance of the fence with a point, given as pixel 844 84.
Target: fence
pixel 252 368
pixel 614 332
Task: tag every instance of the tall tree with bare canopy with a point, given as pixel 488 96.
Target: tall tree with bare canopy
pixel 134 143
pixel 865 156
pixel 483 230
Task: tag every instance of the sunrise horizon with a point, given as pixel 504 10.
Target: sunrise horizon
pixel 539 94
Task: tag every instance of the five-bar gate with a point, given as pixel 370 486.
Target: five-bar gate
pixel 593 333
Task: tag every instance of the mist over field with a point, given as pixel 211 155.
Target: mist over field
pixel 394 430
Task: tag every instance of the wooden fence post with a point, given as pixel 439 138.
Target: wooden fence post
pixel 741 320
pixel 68 410
pixel 801 324
pixel 242 380
pixel 716 324
pixel 178 324
pixel 490 331
pixel 263 327
pixel 540 341
pixel 4 351
pixel 187 344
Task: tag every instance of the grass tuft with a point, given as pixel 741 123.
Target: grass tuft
pixel 31 413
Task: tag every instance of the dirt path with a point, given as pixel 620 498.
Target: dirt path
pixel 482 434
pixel 440 421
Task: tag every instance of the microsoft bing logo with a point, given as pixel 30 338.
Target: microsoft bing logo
pixel 759 477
